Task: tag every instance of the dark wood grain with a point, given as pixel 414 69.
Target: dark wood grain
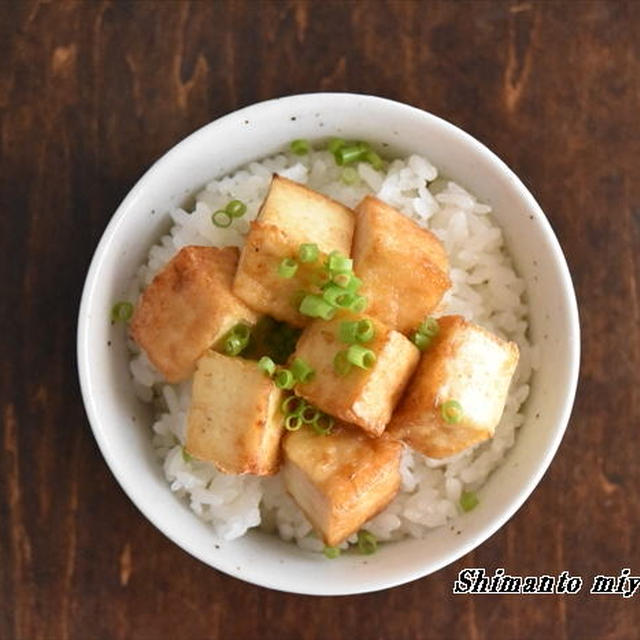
pixel 92 92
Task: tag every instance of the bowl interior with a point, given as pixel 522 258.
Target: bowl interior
pixel 122 424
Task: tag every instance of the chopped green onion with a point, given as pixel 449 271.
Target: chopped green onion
pixel 429 327
pixel 121 312
pixel 323 277
pixel 358 305
pixel 338 297
pixel 366 330
pixel 363 146
pixel 236 340
pixel 338 263
pixel 341 364
pixel 236 208
pixel 348 332
pixel 267 365
pixel 347 281
pixel 284 379
pixel 308 252
pixel 349 175
pixel 292 422
pixel 349 154
pixel 309 414
pixel 367 543
pixel 374 160
pixel 451 411
pixel 320 428
pixel 335 144
pixel 315 307
pixel 293 406
pixel 331 552
pixel 300 147
pixel 186 456
pixel 420 340
pixel 468 500
pixel 361 356
pixel 302 372
pixel 287 268
pixel 221 219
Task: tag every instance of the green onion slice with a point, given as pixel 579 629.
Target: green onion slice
pixel 302 372
pixel 338 297
pixel 347 281
pixel 374 160
pixel 468 500
pixel 315 307
pixel 337 263
pixel 308 252
pixel 310 414
pixel 221 218
pixel 236 340
pixel 323 424
pixel 292 422
pixel 341 364
pixel 353 331
pixel 361 356
pixel 451 411
pixel 367 543
pixel 287 268
pixel 349 154
pixel 293 406
pixel 349 175
pixel 236 208
pixel 429 327
pixel 284 379
pixel 267 365
pixel 300 146
pixel 331 552
pixel 335 144
pixel 186 456
pixel 420 340
pixel 121 312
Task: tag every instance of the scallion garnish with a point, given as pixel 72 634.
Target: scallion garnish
pixel 300 146
pixel 309 414
pixel 341 364
pixel 353 331
pixel 322 424
pixel 221 218
pixel 287 268
pixel 374 160
pixel 337 263
pixel 186 456
pixel 293 406
pixel 361 356
pixel 358 305
pixel 451 411
pixel 267 365
pixel 308 252
pixel 349 175
pixel 335 144
pixel 292 422
pixel 315 307
pixel 347 281
pixel 349 154
pixel 284 379
pixel 420 340
pixel 121 312
pixel 338 297
pixel 331 552
pixel 302 372
pixel 468 500
pixel 236 340
pixel 236 208
pixel 429 327
pixel 367 543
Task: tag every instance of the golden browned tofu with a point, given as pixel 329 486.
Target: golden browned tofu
pixel 340 480
pixel 187 307
pixel 291 215
pixel 404 268
pixel 467 365
pixel 365 397
pixel 234 418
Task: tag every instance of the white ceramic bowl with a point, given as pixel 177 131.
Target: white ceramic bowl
pixel 121 424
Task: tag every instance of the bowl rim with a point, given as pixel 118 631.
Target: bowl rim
pixel 566 285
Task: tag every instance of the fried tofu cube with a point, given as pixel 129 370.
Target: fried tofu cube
pixel 234 419
pixel 404 267
pixel 340 480
pixel 291 215
pixel 365 397
pixel 187 307
pixel 465 364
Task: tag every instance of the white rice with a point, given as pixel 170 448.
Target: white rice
pixel 486 289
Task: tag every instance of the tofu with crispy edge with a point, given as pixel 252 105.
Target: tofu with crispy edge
pixel 404 268
pixel 187 307
pixel 340 480
pixel 290 215
pixel 365 397
pixel 464 363
pixel 234 419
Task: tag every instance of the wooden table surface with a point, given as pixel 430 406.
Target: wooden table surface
pixel 91 93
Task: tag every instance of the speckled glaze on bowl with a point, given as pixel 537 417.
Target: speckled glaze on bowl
pixel 121 423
